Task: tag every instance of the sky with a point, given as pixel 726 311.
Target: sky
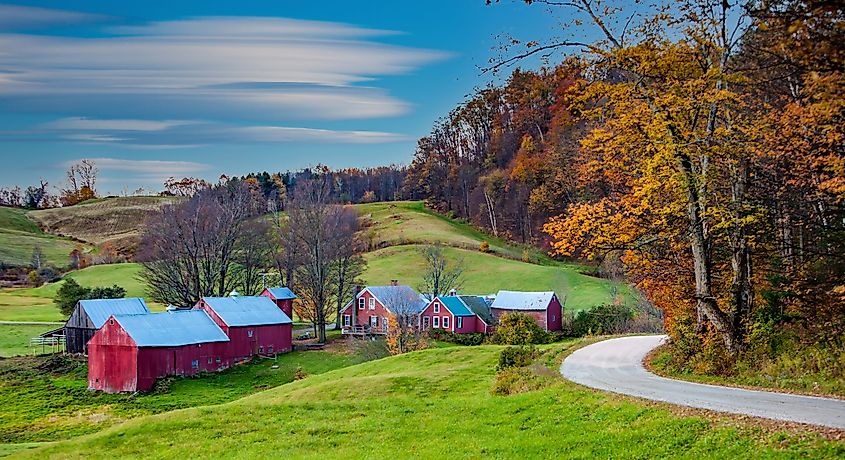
pixel 155 89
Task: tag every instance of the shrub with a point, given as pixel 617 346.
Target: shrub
pixel 516 357
pixel 484 247
pixel 71 292
pixel 519 329
pixel 603 319
pixel 299 373
pixel 475 338
pixel 33 278
pixel 518 380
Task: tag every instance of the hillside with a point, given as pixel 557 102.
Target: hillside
pixel 116 221
pixel 19 236
pixel 386 408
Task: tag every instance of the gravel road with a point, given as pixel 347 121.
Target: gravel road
pixel 615 365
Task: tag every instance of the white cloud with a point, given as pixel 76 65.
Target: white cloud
pixel 74 123
pixel 157 168
pixel 17 17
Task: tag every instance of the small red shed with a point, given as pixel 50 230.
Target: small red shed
pixel 544 307
pixel 282 297
pixel 131 351
pixel 254 325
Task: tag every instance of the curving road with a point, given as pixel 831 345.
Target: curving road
pixel 615 365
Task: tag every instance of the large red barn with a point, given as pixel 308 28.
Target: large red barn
pixel 282 297
pixel 544 307
pixel 254 325
pixel 131 351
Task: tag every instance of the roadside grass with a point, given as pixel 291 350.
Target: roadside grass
pixel 19 236
pixel 487 274
pixel 36 304
pixel 40 405
pixel 14 338
pixel 432 404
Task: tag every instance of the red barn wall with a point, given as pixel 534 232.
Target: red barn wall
pixel 112 360
pixel 481 326
pixel 275 337
pixel 286 305
pixel 362 317
pixel 157 362
pixel 539 315
pixel 468 325
pixel 553 314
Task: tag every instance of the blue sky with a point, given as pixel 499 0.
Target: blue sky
pixel 161 88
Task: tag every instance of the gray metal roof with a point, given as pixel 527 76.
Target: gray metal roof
pixel 99 310
pixel 517 300
pixel 282 293
pixel 396 298
pixel 247 311
pixel 480 307
pixel 171 329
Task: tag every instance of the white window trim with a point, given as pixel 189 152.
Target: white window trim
pixel 459 322
pixel 436 307
pixel 372 303
pixel 347 320
pixel 361 303
pixel 426 322
pixel 371 321
pixel 445 322
pixel 435 321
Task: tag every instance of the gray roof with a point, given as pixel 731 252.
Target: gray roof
pixel 517 300
pixel 99 310
pixel 398 297
pixel 171 329
pixel 247 311
pixel 281 293
pixel 480 307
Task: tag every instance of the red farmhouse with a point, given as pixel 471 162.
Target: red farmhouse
pixel 369 311
pixel 282 297
pixel 458 314
pixel 254 325
pixel 544 307
pixel 131 351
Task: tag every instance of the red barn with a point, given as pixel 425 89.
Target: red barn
pixel 254 325
pixel 464 314
pixel 544 307
pixel 131 351
pixel 369 311
pixel 282 297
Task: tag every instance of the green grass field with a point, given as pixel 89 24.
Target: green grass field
pixel 487 274
pixel 19 236
pixel 14 338
pixel 432 404
pixel 40 405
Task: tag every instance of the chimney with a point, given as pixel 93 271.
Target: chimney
pixel 234 294
pixel 394 282
pixel 453 292
pixel 356 289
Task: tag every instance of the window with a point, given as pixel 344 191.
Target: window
pixel 459 322
pixel 372 303
pixel 270 349
pixel 426 322
pixel 445 322
pixel 347 320
pixel 249 333
pixel 195 364
pixel 111 321
pixel 435 321
pixel 384 322
pixel 217 360
pixel 209 360
pixel 553 317
pixel 361 303
pixel 436 307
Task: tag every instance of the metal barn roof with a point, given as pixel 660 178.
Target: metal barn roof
pixel 390 296
pixel 247 311
pixel 516 300
pixel 99 310
pixel 171 329
pixel 281 293
pixel 456 305
pixel 479 306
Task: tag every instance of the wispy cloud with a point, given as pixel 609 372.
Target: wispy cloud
pixel 241 67
pixel 157 168
pixel 17 17
pixel 74 123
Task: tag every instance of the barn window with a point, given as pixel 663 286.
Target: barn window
pixel 217 360
pixel 436 307
pixel 361 303
pixel 347 320
pixel 553 317
pixel 209 360
pixel 260 349
pixel 270 349
pixel 195 364
pixel 249 333
pixel 372 303
pixel 445 322
pixel 435 321
pixel 111 321
pixel 459 322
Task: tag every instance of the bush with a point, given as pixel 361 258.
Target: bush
pixel 475 338
pixel 299 373
pixel 484 247
pixel 603 319
pixel 519 329
pixel 33 278
pixel 517 380
pixel 516 357
pixel 70 293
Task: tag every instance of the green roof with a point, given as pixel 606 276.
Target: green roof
pixel 479 306
pixel 456 305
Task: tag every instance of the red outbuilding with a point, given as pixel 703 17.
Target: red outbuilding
pixel 131 351
pixel 370 310
pixel 544 307
pixel 449 313
pixel 254 325
pixel 282 297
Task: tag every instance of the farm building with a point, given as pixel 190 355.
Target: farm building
pixel 90 315
pixel 464 314
pixel 369 310
pixel 282 297
pixel 131 351
pixel 544 307
pixel 254 324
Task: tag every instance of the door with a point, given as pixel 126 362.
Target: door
pixel 373 322
pixel 426 322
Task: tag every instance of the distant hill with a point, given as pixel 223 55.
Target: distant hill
pixel 116 221
pixel 19 236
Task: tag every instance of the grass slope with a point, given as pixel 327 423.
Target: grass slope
pixel 487 274
pixel 116 221
pixel 430 404
pixel 14 338
pixel 19 236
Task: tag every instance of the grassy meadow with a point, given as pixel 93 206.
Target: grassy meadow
pixel 14 338
pixel 19 236
pixel 386 408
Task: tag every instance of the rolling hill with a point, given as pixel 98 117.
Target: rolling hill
pixel 19 236
pixel 433 404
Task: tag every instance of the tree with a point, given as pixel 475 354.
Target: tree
pixel 349 265
pixel 519 329
pixel 37 197
pixel 253 256
pixel 81 182
pixel 403 331
pixel 70 293
pixel 187 186
pixel 441 275
pixel 37 258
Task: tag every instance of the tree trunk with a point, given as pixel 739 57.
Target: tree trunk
pixel 741 290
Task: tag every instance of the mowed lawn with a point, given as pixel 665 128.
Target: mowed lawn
pixel 36 304
pixel 48 400
pixel 19 236
pixel 432 404
pixel 14 338
pixel 487 274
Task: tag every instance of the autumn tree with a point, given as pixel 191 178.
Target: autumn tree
pixel 81 183
pixel 403 328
